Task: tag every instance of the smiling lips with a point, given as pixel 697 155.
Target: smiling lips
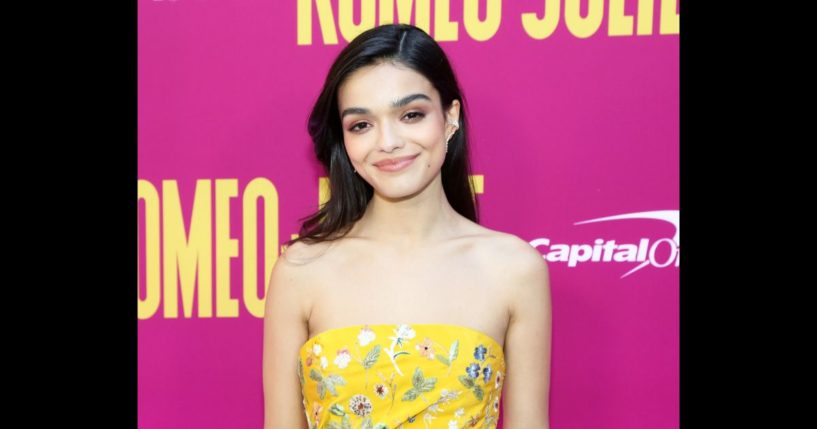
pixel 395 164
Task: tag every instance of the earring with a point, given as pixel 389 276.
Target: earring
pixel 456 125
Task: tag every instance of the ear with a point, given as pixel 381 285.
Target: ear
pixel 452 115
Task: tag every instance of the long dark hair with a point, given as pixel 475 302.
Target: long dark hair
pixel 409 46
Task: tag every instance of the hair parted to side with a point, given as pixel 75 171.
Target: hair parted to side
pixel 408 46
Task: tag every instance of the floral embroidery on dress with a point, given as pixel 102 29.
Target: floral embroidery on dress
pixel 394 376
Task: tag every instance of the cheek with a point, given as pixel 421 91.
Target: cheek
pixel 429 136
pixel 354 151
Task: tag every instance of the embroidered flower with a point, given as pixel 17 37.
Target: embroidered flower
pixel 365 336
pixel 426 348
pixel 496 404
pixel 473 370
pixel 360 405
pixel 452 424
pixel 498 380
pixel 324 362
pixel 313 354
pixel 381 390
pixel 405 332
pixel 479 352
pixel 343 358
pixel 486 372
pixel 460 412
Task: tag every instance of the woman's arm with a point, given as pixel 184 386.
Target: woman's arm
pixel 285 331
pixel 527 342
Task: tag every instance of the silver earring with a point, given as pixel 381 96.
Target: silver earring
pixel 449 136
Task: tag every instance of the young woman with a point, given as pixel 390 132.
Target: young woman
pixel 394 307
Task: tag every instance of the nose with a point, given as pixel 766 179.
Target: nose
pixel 390 137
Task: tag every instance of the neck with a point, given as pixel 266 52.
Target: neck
pixel 409 222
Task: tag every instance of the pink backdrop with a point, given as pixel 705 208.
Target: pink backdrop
pixel 566 129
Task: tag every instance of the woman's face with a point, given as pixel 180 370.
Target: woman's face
pixel 390 112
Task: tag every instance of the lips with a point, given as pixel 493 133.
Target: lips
pixel 392 161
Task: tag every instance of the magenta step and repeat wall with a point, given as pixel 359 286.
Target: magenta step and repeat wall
pixel 574 120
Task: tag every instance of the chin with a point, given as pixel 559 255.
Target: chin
pixel 402 191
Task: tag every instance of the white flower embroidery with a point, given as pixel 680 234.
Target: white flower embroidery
pixel 316 349
pixel 366 336
pixel 452 424
pixel 343 358
pixel 405 332
pixel 460 412
pixel 324 362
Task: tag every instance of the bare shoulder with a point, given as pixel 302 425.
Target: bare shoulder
pixel 295 273
pixel 523 270
pixel 300 253
pixel 516 256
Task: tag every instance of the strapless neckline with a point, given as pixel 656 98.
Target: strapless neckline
pixel 487 337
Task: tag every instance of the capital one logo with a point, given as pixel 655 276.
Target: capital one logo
pixel 643 253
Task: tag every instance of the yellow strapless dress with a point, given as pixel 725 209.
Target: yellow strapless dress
pixel 401 376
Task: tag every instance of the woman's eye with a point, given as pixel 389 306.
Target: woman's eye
pixel 419 114
pixel 355 128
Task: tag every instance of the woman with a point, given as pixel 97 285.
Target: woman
pixel 394 305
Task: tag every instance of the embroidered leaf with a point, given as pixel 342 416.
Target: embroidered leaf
pixel 410 395
pixel 466 381
pixel 331 386
pixel 417 378
pixel 371 357
pixel 444 360
pixel 346 423
pixel 428 384
pixel 321 390
pixel 336 379
pixel 478 392
pixel 454 351
pixel 300 372
pixel 400 353
pixel 366 423
pixel 315 375
pixel 337 409
pixel 333 425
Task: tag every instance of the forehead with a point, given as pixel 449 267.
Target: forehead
pixel 377 86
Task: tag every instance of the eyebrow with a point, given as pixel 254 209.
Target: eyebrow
pixel 394 105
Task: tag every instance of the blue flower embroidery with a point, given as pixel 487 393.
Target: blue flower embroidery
pixel 473 370
pixel 486 372
pixel 479 352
